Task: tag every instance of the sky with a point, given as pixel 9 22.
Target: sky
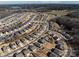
pixel 39 2
pixel 26 2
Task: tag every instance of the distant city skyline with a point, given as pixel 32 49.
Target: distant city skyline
pixel 39 2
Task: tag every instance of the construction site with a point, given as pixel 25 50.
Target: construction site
pixel 39 33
